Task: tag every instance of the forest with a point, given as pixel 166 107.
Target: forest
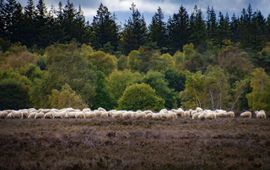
pixel 54 58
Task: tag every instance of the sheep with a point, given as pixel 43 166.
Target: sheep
pixel 70 115
pixel 210 115
pixel 171 115
pixel 260 114
pixel 49 115
pixel 59 114
pixel 104 114
pixel 246 114
pixel 117 114
pixel 196 115
pixel 139 115
pixel 32 115
pixel 17 114
pixel 3 114
pixel 89 114
pixel 39 115
pixel 79 115
pixel 127 115
pixel 86 110
pixel 156 116
pixel 10 116
pixel 231 114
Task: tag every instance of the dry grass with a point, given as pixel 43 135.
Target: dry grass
pixel 135 144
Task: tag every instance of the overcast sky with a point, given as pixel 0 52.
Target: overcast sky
pixel 148 7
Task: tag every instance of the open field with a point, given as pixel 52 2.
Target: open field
pixel 135 144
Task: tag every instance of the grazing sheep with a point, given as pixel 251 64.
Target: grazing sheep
pixel 17 114
pixel 49 115
pixel 171 115
pixel 59 115
pixel 10 116
pixel 196 115
pixel 86 110
pixel 32 115
pixel 3 114
pixel 198 109
pixel 210 115
pixel 231 114
pixel 80 115
pixel 246 114
pixel 39 115
pixel 139 115
pixel 117 114
pixel 104 114
pixel 260 114
pixel 69 115
pixel 127 115
pixel 89 115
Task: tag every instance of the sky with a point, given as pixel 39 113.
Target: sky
pixel 148 7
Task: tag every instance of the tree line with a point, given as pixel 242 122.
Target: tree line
pixel 56 59
pixel 37 27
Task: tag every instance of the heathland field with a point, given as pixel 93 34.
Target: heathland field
pixel 135 144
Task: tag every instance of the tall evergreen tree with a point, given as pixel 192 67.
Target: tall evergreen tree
pixel 13 17
pixel 105 29
pixel 2 18
pixel 258 30
pixel 224 30
pixel 135 31
pixel 29 30
pixel 234 26
pixel 211 24
pixel 157 29
pixel 197 27
pixel 178 30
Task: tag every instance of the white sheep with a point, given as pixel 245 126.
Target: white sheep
pixel 117 115
pixel 3 114
pixel 58 114
pixel 127 114
pixel 39 115
pixel 89 114
pixel 139 115
pixel 17 114
pixel 246 114
pixel 196 115
pixel 69 115
pixel 32 115
pixel 171 115
pixel 49 115
pixel 260 114
pixel 80 115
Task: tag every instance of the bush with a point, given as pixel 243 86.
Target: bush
pixel 13 95
pixel 140 96
pixel 66 97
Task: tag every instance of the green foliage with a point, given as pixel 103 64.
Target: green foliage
pixel 260 95
pixel 140 96
pixel 103 97
pixel 13 95
pixel 66 64
pixel 103 61
pixel 209 90
pixel 118 81
pixel 158 82
pixel 163 62
pixel 66 97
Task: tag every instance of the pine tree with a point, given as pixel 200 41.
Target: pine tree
pixel 157 29
pixel 105 29
pixel 258 31
pixel 197 27
pixel 211 24
pixel 2 18
pixel 178 30
pixel 224 30
pixel 135 31
pixel 234 26
pixel 13 20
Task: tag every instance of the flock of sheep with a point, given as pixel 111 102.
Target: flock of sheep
pixel 87 113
